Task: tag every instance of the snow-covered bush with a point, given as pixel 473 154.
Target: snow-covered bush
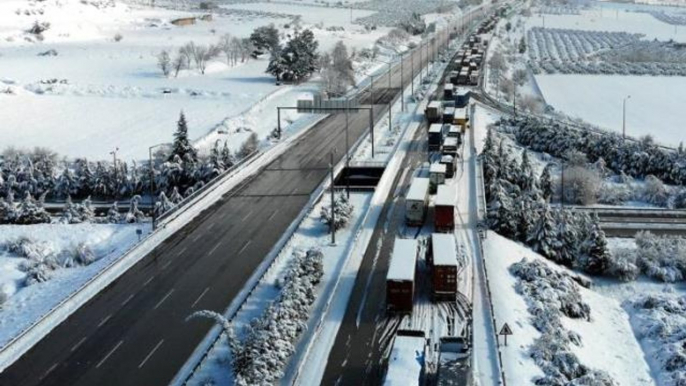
pixel 77 213
pixel 660 321
pixel 623 265
pixel 134 214
pixel 550 295
pixel 655 192
pixel 615 194
pixel 661 257
pixel 343 210
pixel 270 339
pixel 581 185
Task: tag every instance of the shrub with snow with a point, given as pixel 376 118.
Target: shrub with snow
pixel 660 321
pixel 342 212
pixel 270 339
pixel 550 295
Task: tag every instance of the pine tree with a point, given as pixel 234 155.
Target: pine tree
pixel 500 213
pixel 226 156
pixel 182 146
pixel 546 183
pixel 524 219
pixel 8 209
pixel 542 237
pixel 248 147
pixel 31 213
pixel 567 239
pixel 599 258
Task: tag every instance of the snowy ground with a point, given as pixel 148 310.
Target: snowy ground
pixel 608 340
pixel 115 96
pixel 25 304
pixel 655 106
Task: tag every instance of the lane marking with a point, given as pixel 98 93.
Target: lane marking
pixel 245 246
pixel 200 297
pixel 166 264
pixel 109 354
pixel 163 299
pixel 294 189
pixel 182 251
pixel 127 299
pixel 149 280
pixel 104 320
pixel 273 214
pixel 211 225
pixel 197 237
pixel 150 354
pixel 53 367
pixel 74 347
pixel 215 248
pixel 246 216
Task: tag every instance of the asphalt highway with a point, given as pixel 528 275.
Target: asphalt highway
pixel 134 332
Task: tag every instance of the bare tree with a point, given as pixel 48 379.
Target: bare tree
pixel 581 185
pixel 200 54
pixel 246 49
pixel 180 61
pixel 164 62
pixel 225 47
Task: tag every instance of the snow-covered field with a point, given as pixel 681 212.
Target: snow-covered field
pixel 655 107
pixel 110 94
pixel 26 303
pixel 611 17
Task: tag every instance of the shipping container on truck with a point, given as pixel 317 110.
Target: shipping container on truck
pixel 434 112
pixel 463 78
pixel 448 91
pixel 456 132
pixel 474 78
pixel 416 201
pixel 443 261
pixel 400 276
pixel 450 146
pixel 436 176
pixel 435 136
pixel 444 208
pixel 448 115
pixel 449 162
pixel 461 117
pixel 453 77
pixel 462 98
pixel 407 360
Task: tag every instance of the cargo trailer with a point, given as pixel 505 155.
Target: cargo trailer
pixel 448 91
pixel 400 276
pixel 416 201
pixel 435 136
pixel 434 112
pixel 449 162
pixel 449 115
pixel 450 146
pixel 444 208
pixel 443 261
pixel 436 176
pixel 462 98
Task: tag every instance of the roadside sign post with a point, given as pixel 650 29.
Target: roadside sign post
pixel 505 331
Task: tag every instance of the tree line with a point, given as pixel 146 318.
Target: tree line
pixel 177 171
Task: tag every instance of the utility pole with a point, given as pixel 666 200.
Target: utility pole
pixel 402 83
pixel 624 116
pixel 333 203
pixel 347 148
pixel 412 72
pixel 116 178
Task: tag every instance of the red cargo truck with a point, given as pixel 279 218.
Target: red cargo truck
pixel 400 276
pixel 444 208
pixel 443 260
